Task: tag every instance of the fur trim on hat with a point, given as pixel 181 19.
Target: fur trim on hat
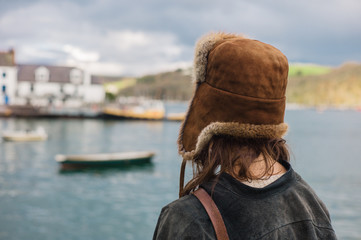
pixel 204 45
pixel 236 129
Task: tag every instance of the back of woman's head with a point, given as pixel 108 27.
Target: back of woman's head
pixel 240 87
pixel 234 156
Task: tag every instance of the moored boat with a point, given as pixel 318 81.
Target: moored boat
pixel 22 136
pixel 136 108
pixel 69 162
pixel 175 116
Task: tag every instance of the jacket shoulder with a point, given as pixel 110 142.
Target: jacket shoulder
pixel 311 199
pixel 184 218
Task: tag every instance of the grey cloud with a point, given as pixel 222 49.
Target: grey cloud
pixel 318 31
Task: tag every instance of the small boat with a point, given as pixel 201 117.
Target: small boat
pixel 175 116
pixel 22 136
pixel 69 162
pixel 136 109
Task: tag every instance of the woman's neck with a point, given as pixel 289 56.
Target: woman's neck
pixel 259 168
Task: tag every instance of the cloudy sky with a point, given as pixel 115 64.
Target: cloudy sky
pixel 118 37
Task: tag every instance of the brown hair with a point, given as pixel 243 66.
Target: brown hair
pixel 226 153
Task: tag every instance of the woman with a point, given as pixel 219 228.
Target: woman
pixel 243 186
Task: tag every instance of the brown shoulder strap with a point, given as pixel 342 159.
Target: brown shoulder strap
pixel 213 213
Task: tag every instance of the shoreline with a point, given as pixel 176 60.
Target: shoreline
pixel 32 112
pixel 296 106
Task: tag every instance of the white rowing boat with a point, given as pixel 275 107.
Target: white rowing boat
pixel 19 136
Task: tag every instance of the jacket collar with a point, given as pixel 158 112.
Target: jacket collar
pixel 226 182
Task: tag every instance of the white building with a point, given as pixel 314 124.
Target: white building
pixel 8 77
pixel 64 86
pixel 41 85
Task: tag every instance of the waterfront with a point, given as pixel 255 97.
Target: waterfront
pixel 37 201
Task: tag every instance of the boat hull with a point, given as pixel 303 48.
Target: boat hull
pixel 131 115
pixel 24 138
pixel 78 162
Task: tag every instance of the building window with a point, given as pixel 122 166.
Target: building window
pixel 31 87
pixel 4 74
pixel 76 76
pixel 42 74
pixel 3 89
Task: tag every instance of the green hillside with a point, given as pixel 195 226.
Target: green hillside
pixel 307 70
pixel 311 85
pixel 340 87
pixel 175 85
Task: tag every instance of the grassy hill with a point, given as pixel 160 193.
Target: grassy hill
pixel 167 86
pixel 311 85
pixel 297 70
pixel 340 87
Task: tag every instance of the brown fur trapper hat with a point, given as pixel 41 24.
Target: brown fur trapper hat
pixel 240 91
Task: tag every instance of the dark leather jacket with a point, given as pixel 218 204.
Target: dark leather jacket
pixel 286 209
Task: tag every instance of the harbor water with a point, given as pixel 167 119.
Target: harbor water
pixel 38 201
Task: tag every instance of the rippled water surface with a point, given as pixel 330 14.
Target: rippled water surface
pixel 37 201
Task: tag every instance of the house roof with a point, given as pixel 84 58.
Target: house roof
pixel 7 58
pixel 57 74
